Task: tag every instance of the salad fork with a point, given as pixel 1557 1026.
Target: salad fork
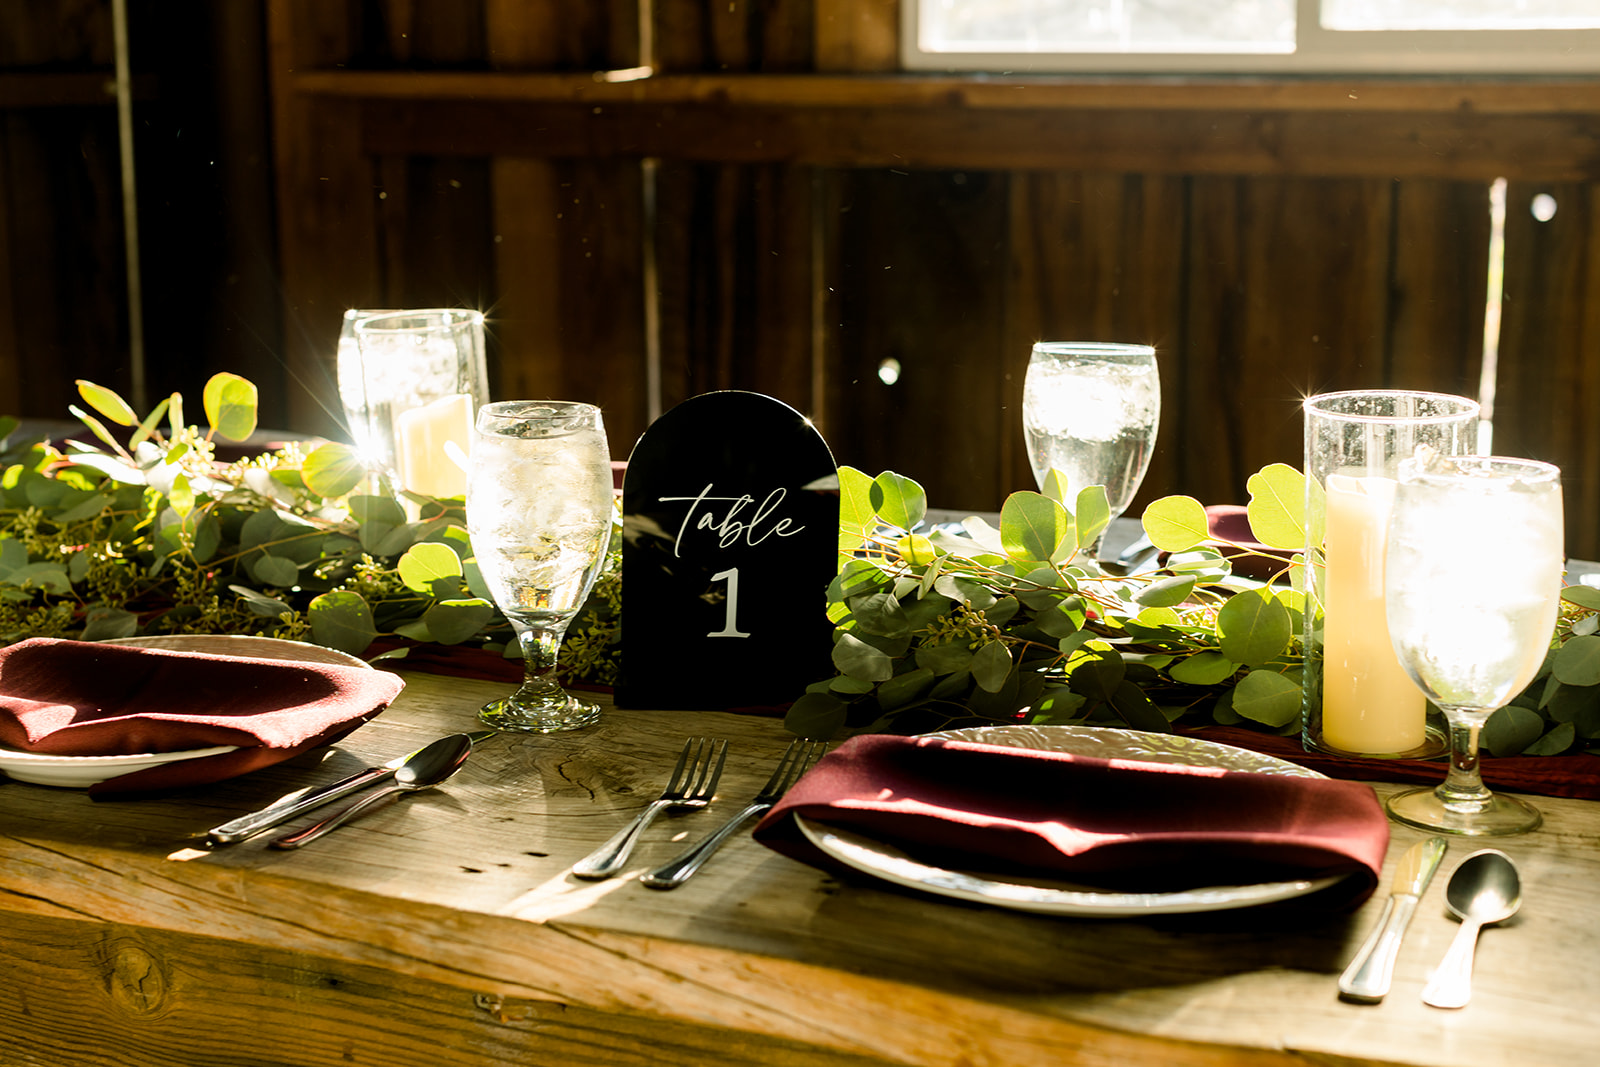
pixel 795 761
pixel 693 783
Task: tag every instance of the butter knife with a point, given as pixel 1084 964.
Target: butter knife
pixel 1367 978
pixel 303 800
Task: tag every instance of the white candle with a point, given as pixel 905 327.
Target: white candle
pixel 420 435
pixel 1369 703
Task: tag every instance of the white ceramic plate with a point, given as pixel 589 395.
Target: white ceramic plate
pixel 1063 898
pixel 80 772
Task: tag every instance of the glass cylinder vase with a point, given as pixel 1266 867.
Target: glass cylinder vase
pixel 1358 700
pixel 421 378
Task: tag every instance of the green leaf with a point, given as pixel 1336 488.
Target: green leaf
pixel 880 614
pixel 946 658
pixel 898 500
pixel 1138 710
pixel 816 715
pixel 843 683
pixel 990 666
pixel 453 621
pixel 1055 486
pixel 13 554
pixel 332 470
pixel 1033 526
pixel 1554 743
pixel 855 657
pixel 1166 592
pixel 48 577
pixel 1098 676
pixel 1176 523
pixel 1253 628
pixel 1585 596
pixel 86 508
pixel 106 402
pixel 1578 662
pixel 916 550
pixel 148 426
pixel 1277 510
pixel 180 498
pixel 1267 697
pixel 1092 515
pixel 94 424
pixel 230 403
pixel 380 509
pixel 905 688
pixel 426 563
pixel 103 623
pixel 259 603
pixel 857 517
pixel 1203 668
pixel 274 571
pixel 342 620
pixel 1511 729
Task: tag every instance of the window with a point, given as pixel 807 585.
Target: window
pixel 1254 36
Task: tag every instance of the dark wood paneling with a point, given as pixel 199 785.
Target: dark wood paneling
pixel 1550 347
pixel 1439 285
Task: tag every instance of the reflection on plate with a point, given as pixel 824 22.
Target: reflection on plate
pixel 80 772
pixel 1062 898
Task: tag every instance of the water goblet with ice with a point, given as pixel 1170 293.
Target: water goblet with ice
pixel 540 512
pixel 1472 581
pixel 1090 411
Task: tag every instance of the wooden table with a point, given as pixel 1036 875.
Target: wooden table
pixel 444 930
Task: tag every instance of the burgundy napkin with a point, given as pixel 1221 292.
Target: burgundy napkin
pixel 1119 824
pixel 75 698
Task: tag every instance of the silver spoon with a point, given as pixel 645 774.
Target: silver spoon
pixel 1484 889
pixel 424 769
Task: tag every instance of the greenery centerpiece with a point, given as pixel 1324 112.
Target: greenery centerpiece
pixel 144 531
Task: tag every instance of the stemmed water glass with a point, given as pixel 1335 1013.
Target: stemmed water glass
pixel 1472 581
pixel 1090 411
pixel 540 512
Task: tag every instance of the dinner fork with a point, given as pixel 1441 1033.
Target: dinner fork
pixel 693 783
pixel 794 762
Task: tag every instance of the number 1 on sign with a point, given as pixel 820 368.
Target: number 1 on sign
pixel 730 625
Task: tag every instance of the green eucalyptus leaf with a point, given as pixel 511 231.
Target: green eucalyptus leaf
pixel 180 498
pixel 1554 743
pixel 1511 729
pixel 1585 596
pixel 453 621
pixel 855 657
pixel 342 620
pixel 857 516
pixel 1267 697
pixel 1091 515
pixel 1033 526
pixel 880 614
pixel 151 421
pixel 843 683
pixel 260 603
pixel 332 470
pixel 898 500
pixel 47 577
pixel 1176 523
pixel 275 571
pixel 1137 709
pixel 947 658
pixel 378 509
pixel 904 689
pixel 106 402
pixel 230 404
pixel 13 554
pixel 1098 676
pixel 1578 662
pixel 1278 507
pixel 1203 668
pixel 96 426
pixel 103 624
pixel 1253 628
pixel 86 508
pixel 816 715
pixel 991 664
pixel 1055 486
pixel 426 563
pixel 1166 592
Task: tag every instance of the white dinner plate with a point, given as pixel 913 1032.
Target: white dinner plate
pixel 80 772
pixel 1053 897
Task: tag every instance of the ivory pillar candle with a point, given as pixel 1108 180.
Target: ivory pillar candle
pixel 421 436
pixel 1369 704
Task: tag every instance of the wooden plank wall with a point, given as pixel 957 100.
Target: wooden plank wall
pixel 1259 277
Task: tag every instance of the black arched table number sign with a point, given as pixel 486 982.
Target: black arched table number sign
pixel 730 518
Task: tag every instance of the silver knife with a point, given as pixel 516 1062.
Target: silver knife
pixel 1367 978
pixel 303 800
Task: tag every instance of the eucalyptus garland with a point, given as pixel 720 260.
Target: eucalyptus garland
pixel 145 532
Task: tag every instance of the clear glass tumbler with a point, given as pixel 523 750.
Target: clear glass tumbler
pixel 540 510
pixel 1358 700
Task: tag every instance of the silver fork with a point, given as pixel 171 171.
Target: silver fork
pixel 796 760
pixel 693 783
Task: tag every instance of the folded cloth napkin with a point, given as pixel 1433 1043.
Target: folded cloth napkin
pixel 76 698
pixel 1121 824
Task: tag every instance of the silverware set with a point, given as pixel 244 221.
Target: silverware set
pixel 1483 889
pixel 692 786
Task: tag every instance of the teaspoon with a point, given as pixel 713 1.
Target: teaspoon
pixel 423 769
pixel 1484 889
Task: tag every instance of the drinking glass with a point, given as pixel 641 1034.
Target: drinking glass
pixel 422 378
pixel 539 512
pixel 1472 585
pixel 1090 411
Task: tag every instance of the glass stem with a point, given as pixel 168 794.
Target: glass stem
pixel 540 647
pixel 1463 786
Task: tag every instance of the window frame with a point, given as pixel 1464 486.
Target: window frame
pixel 1317 52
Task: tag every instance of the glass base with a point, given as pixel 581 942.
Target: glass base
pixel 545 717
pixel 1495 817
pixel 1435 743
